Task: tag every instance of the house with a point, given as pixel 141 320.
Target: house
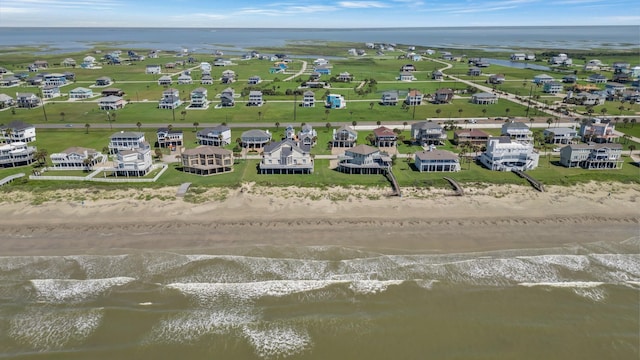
pixel 170 65
pixel 320 62
pixel 103 81
pixel 126 140
pixel 214 136
pixel 598 131
pixel 517 131
pixel 41 64
pixel 153 69
pixel 254 80
pixel 206 80
pixel 199 98
pixel 185 79
pixel 436 160
pixel 620 66
pixel 345 136
pixel 27 100
pixel 385 137
pixel 428 133
pixel 170 99
pixel 207 160
pixel 560 135
pixel 407 67
pixel 474 71
pixel 289 132
pixel 227 98
pixel 443 96
pixel 503 154
pixel 255 139
pixel 584 98
pixel 169 138
pixel 35 81
pixel 496 79
pixel 9 81
pixel 406 76
pixel 69 62
pixel 530 57
pixel 16 154
pixel 55 79
pixel 133 162
pixel 111 102
pixel 77 158
pixel 389 98
pixel 569 79
pixel 352 52
pixel 592 156
pixel 315 84
pixel 542 78
pixel 614 88
pixel 307 136
pixel 112 92
pixel 437 75
pixel 88 62
pixel 81 93
pixel 322 70
pixel 484 98
pixel 228 77
pixel 561 59
pixel 471 136
pixel 6 101
pixel 335 101
pixel 552 87
pixel 597 79
pixel 518 57
pixel 286 157
pixel 363 159
pixel 222 62
pixel 592 65
pixel 622 77
pixel 165 80
pixel 18 131
pixel 255 98
pixel 50 91
pixel 308 99
pixel 345 77
pixel 414 97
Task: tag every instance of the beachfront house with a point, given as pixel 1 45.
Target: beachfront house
pixel 6 101
pixel 592 156
pixel 169 138
pixel 126 140
pixel 9 81
pixel 81 93
pixel 170 99
pixel 17 131
pixel 206 79
pixel 428 133
pixel 307 135
pixel 518 57
pixel 443 96
pixel 111 102
pixel 414 97
pixel 503 154
pixel 335 101
pixel 517 131
pixel 77 158
pixel 16 154
pixel 255 98
pixel 561 59
pixel 363 159
pixel 496 79
pixel 214 136
pixel 561 135
pixel 389 98
pixel 484 98
pixel 199 98
pixel 133 162
pixel 345 136
pixel 207 160
pixel 475 137
pixel 308 99
pixel 436 160
pixel 385 137
pixel 27 100
pixel 255 139
pixel 286 157
pixel 598 131
pixel 228 77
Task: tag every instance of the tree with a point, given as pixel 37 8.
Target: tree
pixel 378 122
pixel 196 124
pixel 621 108
pixel 86 127
pixel 371 105
pixel 326 114
pixel 506 112
pixel 327 125
pixel 87 162
pixel 549 122
pixel 259 115
pixel 62 115
pixel 277 124
pixel 631 149
pixel 404 125
pixel 158 153
pixel 603 111
pixel 371 138
pixel 460 112
pixel 625 121
pixel 139 125
pixel 354 123
pixel 633 122
pixel 484 111
pixel 438 111
pixel 184 114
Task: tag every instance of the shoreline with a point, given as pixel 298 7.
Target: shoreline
pixel 486 219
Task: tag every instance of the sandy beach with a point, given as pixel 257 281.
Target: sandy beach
pixel 488 217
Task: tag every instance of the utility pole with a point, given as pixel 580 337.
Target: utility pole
pixel 43 109
pixel 529 101
pixel 295 99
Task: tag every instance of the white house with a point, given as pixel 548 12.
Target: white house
pixel 16 154
pixel 18 131
pixel 126 140
pixel 436 160
pixel 153 69
pixel 503 154
pixel 77 158
pixel 199 98
pixel 517 131
pixel 286 157
pixel 255 98
pixel 81 93
pixel 134 162
pixel 214 136
pixel 308 99
pixel 170 99
pixel 169 138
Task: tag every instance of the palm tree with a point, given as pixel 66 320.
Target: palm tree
pixel 531 120
pixel 378 122
pixel 326 114
pixel 484 112
pixel 621 108
pixel 549 122
pixel 625 121
pixel 371 105
pixel 631 149
pixel 86 127
pixel 62 115
pixel 460 112
pixel 438 111
pixel 328 126
pixel 354 123
pixel 633 122
pixel 277 125
pixel 184 114
pixel 87 162
pixel 139 125
pixel 506 112
pixel 404 125
pixel 196 124
pixel 259 115
pixel 603 111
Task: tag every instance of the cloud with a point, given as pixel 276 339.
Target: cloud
pixel 361 4
pixel 284 10
pixel 47 5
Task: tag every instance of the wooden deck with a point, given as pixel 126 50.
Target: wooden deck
pixel 182 190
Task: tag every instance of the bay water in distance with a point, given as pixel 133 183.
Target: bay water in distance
pixel 298 302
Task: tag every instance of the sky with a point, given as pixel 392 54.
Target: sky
pixel 316 14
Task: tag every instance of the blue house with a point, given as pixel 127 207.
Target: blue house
pixel 322 70
pixel 335 101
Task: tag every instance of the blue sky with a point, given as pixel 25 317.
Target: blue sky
pixel 318 14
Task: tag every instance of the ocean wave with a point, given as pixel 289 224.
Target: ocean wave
pixel 276 341
pixel 74 291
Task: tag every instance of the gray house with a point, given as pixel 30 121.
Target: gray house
pixel 255 139
pixel 389 98
pixel 363 159
pixel 592 156
pixel 428 133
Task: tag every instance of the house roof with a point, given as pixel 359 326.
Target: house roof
pixel 172 131
pixel 414 93
pixel 436 155
pixel 81 90
pixel 485 95
pixel 292 146
pixel 256 133
pixel 207 150
pixel 17 125
pixel 79 150
pixel 426 125
pixel 128 134
pixel 383 131
pixel 594 146
pixel 560 131
pixel 363 149
pixel 471 133
pixel 515 125
pixel 444 91
pixel 111 98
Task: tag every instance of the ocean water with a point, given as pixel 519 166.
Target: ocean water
pixel 563 38
pixel 571 302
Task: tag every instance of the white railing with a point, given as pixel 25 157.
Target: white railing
pixel 91 177
pixel 10 178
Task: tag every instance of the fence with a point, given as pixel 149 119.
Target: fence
pixel 91 177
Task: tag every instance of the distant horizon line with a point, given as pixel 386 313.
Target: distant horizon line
pixel 315 28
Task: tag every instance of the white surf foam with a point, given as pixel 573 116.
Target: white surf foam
pixel 275 341
pixel 74 291
pixel 570 262
pixel 369 287
pixel 566 284
pixel 620 263
pixel 47 329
